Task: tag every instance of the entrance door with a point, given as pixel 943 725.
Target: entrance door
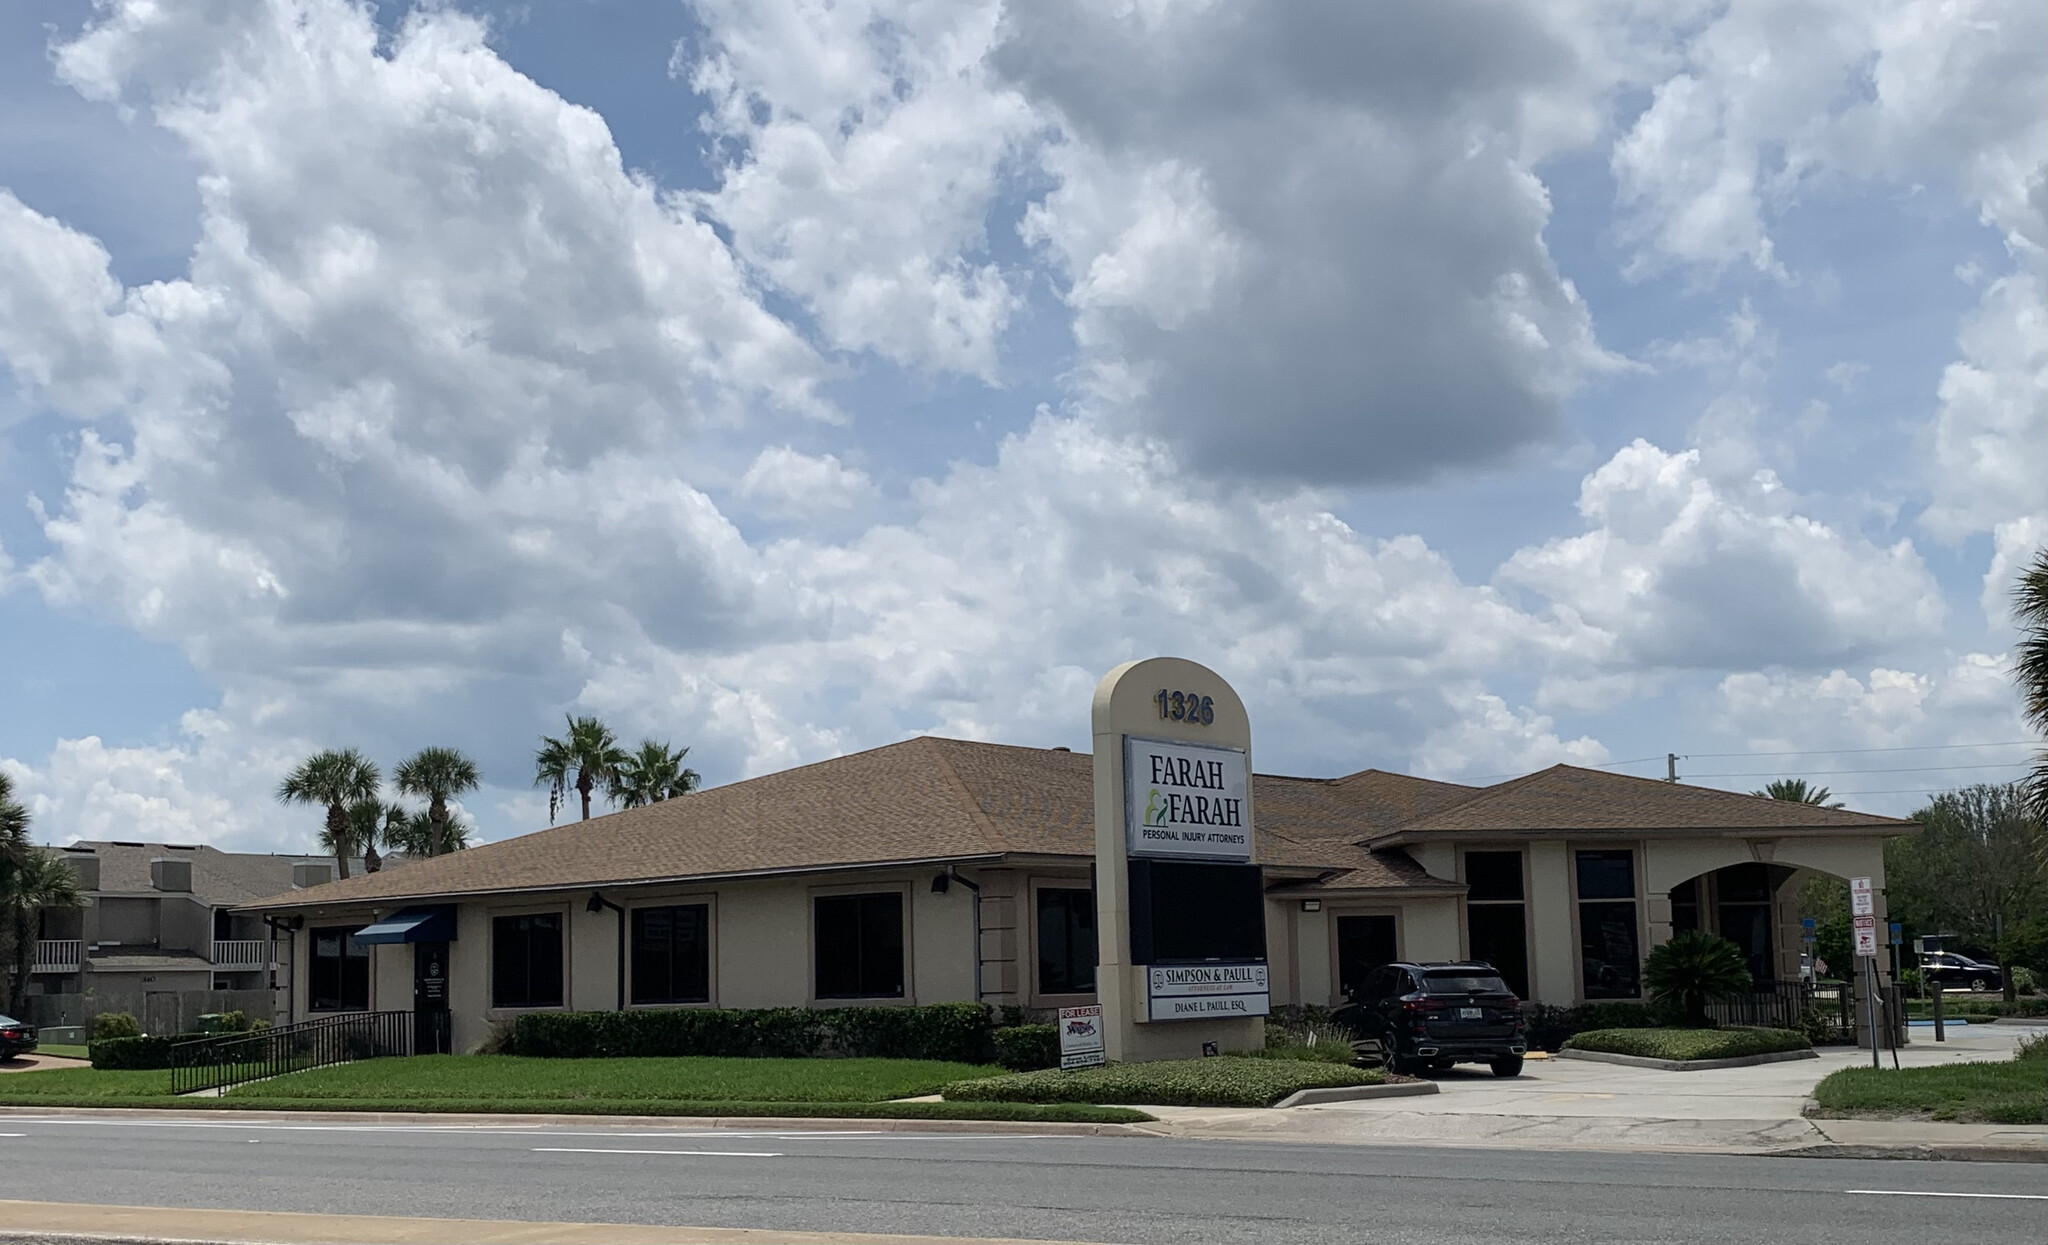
pixel 430 998
pixel 1363 944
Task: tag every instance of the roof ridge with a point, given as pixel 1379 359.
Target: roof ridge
pixel 1745 795
pixel 1478 793
pixel 983 823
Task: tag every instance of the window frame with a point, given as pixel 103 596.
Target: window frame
pixel 1467 903
pixel 904 891
pixel 1041 997
pixel 709 902
pixel 568 925
pixel 1635 848
pixel 1333 915
pixel 368 957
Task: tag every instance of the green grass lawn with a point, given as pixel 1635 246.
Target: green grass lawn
pixel 1231 1081
pixel 683 1079
pixel 2014 1091
pixel 858 1088
pixel 60 1048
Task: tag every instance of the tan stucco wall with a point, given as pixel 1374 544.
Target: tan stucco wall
pixel 1553 948
pixel 1432 929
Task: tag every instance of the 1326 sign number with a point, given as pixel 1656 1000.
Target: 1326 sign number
pixel 1186 707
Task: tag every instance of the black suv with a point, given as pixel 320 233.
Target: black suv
pixel 1416 1016
pixel 1949 970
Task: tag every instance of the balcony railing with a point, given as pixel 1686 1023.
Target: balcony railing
pixel 241 953
pixel 58 955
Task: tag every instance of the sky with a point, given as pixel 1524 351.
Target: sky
pixel 1476 386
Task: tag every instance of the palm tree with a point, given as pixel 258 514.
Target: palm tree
pixel 1795 791
pixel 337 780
pixel 416 834
pixel 590 750
pixel 437 775
pixel 2030 666
pixel 31 880
pixel 1694 968
pixel 370 822
pixel 653 774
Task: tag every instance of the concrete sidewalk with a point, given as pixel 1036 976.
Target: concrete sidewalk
pixel 1585 1105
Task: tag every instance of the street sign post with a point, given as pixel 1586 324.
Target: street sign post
pixel 1863 908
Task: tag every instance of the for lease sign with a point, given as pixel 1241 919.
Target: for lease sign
pixel 1206 991
pixel 1186 800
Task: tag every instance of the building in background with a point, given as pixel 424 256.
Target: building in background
pixel 161 937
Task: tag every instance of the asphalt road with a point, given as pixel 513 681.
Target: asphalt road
pixel 1112 1189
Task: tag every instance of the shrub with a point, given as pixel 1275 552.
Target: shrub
pixel 2024 980
pixel 115 1025
pixel 1027 1048
pixel 1551 1026
pixel 1681 1044
pixel 958 1032
pixel 136 1053
pixel 1229 1081
pixel 1692 970
pixel 1309 1052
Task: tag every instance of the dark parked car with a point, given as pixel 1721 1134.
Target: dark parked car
pixel 1950 970
pixel 16 1038
pixel 1416 1016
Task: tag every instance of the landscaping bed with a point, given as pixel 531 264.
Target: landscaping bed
pixel 2014 1091
pixel 1228 1081
pixel 1685 1045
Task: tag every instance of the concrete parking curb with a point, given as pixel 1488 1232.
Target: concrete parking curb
pixel 1689 1065
pixel 1355 1093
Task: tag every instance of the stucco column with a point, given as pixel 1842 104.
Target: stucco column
pixel 1552 948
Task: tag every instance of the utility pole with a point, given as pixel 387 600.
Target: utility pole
pixel 1671 767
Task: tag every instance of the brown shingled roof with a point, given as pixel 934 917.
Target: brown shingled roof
pixel 927 799
pixel 1568 798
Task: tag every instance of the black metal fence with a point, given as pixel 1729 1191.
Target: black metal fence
pixel 1827 1011
pixel 232 1058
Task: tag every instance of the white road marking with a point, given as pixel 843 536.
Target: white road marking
pixel 538 1130
pixel 2020 1197
pixel 716 1154
pixel 13 1134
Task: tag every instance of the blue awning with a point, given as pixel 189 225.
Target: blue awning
pixel 434 923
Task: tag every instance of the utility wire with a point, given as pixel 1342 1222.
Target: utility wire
pixel 1825 773
pixel 1810 752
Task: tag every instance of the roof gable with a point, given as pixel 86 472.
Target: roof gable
pixel 1568 797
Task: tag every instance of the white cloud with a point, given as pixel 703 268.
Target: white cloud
pixel 868 147
pixel 784 482
pixel 1682 570
pixel 1305 242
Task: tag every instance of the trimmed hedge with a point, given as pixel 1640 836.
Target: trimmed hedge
pixel 1228 1081
pixel 1551 1026
pixel 1680 1044
pixel 958 1032
pixel 137 1053
pixel 1027 1048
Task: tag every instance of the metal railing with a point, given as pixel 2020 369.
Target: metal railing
pixel 232 1058
pixel 58 955
pixel 1769 1004
pixel 241 953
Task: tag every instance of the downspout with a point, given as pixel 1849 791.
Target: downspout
pixel 598 903
pixel 975 889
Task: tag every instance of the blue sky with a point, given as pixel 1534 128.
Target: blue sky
pixel 1476 387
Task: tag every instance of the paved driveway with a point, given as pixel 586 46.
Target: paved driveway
pixel 1571 1102
pixel 29 1063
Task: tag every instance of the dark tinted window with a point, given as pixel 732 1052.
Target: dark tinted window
pixel 1462 982
pixel 1607 950
pixel 338 974
pixel 1744 883
pixel 1498 936
pixel 526 960
pixel 1493 875
pixel 1607 875
pixel 1183 912
pixel 858 942
pixel 672 954
pixel 1364 943
pixel 1066 941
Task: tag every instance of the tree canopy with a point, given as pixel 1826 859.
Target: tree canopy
pixel 585 758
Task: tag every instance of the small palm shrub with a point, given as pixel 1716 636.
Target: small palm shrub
pixel 1693 969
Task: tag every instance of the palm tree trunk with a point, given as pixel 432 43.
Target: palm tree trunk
pixel 24 957
pixel 437 812
pixel 337 830
pixel 583 786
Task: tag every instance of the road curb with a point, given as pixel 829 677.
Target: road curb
pixel 736 1123
pixel 1355 1093
pixel 1689 1065
pixel 1940 1152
